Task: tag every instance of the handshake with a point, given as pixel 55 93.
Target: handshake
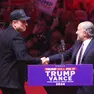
pixel 45 60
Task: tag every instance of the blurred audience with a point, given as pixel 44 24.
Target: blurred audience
pixel 46 31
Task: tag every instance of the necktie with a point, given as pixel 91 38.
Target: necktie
pixel 80 54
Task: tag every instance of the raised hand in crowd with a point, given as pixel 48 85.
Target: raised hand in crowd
pixel 55 23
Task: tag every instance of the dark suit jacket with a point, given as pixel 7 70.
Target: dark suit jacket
pixel 70 54
pixel 13 53
pixel 88 58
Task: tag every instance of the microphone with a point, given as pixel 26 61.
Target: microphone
pixel 63 49
pixel 62 45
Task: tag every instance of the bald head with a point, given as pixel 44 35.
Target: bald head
pixel 88 26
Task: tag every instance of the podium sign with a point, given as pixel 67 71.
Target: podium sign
pixel 60 75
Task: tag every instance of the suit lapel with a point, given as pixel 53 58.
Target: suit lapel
pixel 76 50
pixel 77 47
pixel 88 48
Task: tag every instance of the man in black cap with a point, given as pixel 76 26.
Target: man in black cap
pixel 13 53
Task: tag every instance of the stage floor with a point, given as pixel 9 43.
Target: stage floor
pixel 33 90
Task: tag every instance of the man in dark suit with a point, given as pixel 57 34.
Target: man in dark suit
pixel 13 53
pixel 82 52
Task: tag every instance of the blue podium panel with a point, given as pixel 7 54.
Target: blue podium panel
pixel 60 75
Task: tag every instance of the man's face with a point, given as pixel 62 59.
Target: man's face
pixel 80 33
pixel 20 25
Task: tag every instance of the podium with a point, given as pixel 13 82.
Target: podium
pixel 60 75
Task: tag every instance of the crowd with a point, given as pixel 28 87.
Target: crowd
pixel 45 32
pixel 50 34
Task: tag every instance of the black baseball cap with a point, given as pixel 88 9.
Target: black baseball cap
pixel 18 14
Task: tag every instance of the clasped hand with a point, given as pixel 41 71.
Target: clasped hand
pixel 45 60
